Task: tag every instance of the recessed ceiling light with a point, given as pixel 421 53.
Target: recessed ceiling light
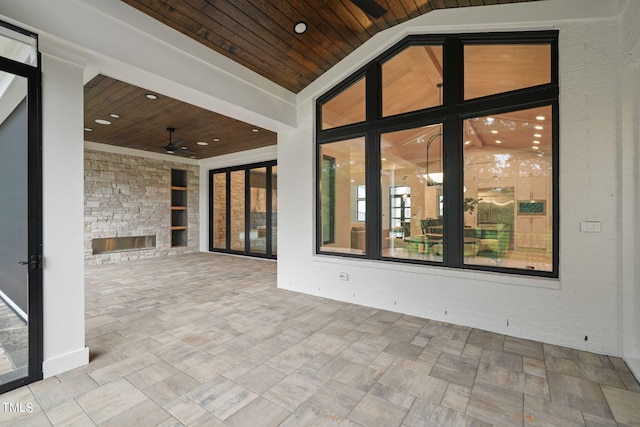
pixel 300 27
pixel 537 135
pixel 88 129
pixel 384 158
pixel 114 115
pixel 151 96
pixel 535 147
pixel 467 142
pixel 536 142
pixel 102 122
pixel 170 151
pixel 183 147
pixel 255 130
pixel 202 143
pixel 494 131
pixel 539 117
pixel 216 139
pixel 538 127
pixel 498 141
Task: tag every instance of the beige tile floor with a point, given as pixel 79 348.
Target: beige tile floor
pixel 208 340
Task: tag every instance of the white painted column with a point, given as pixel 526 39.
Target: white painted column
pixel 63 207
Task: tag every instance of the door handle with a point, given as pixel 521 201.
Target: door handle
pixel 33 263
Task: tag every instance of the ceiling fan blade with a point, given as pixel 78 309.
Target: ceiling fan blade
pixel 370 7
pixel 173 145
pixel 189 152
pixel 177 143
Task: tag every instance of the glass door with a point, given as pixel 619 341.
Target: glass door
pixel 243 210
pixel 258 210
pixel 20 210
pixel 219 211
pixel 237 210
pixel 400 212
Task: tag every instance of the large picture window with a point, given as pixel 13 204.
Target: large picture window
pixel 457 149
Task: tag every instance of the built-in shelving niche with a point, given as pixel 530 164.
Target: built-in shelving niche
pixel 179 223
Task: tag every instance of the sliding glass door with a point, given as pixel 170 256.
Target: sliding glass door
pixel 243 210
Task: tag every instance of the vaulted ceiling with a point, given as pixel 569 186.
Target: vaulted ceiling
pixel 258 34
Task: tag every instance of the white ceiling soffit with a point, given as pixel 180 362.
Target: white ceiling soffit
pixel 150 53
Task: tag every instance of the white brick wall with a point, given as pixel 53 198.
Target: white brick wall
pixel 630 30
pixel 585 301
pixel 630 181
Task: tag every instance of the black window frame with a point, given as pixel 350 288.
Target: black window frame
pixel 452 113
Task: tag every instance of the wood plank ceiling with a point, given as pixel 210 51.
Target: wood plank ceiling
pixel 142 122
pixel 258 34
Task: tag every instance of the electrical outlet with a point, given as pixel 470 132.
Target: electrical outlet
pixel 590 226
pixel 343 276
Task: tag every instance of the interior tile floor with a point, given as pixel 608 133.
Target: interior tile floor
pixel 522 259
pixel 208 340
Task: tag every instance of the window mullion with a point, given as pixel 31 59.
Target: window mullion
pixel 373 200
pixel 211 199
pixel 269 208
pixel 228 210
pixel 247 210
pixel 452 219
pixel 452 153
pixel 372 156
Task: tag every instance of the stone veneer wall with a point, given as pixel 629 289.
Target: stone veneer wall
pixel 131 196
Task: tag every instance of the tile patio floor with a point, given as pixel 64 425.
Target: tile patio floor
pixel 14 345
pixel 209 340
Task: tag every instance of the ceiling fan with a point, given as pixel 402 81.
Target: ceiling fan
pixel 171 148
pixel 370 7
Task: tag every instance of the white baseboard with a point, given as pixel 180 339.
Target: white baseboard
pixel 65 362
pixel 634 365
